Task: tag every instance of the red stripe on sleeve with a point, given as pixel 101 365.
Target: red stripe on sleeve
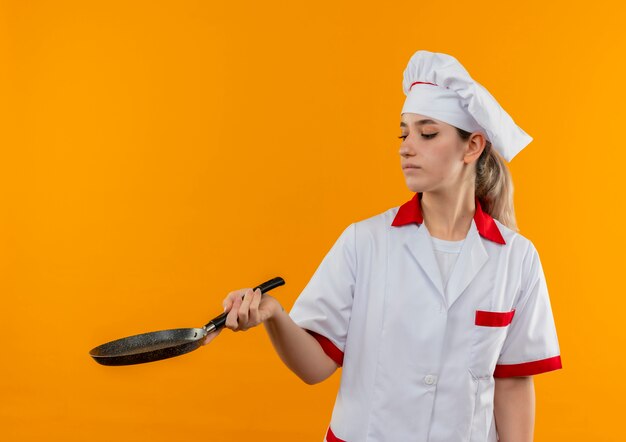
pixel 528 368
pixel 329 348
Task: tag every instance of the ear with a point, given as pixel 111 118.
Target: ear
pixel 475 146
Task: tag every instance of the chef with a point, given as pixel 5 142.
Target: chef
pixel 437 310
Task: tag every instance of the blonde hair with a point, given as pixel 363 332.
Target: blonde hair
pixel 494 185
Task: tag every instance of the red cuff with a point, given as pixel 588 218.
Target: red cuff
pixel 528 368
pixel 330 436
pixel 329 348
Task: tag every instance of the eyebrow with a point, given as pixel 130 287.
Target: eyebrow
pixel 419 123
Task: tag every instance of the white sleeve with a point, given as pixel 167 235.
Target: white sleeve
pixel 531 346
pixel 324 306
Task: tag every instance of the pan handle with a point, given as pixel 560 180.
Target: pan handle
pixel 219 321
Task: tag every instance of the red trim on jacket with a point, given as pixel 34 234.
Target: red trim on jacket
pixel 411 212
pixel 528 368
pixel 330 436
pixel 329 348
pixel 493 319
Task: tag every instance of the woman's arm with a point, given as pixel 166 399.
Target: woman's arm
pixel 514 408
pixel 300 351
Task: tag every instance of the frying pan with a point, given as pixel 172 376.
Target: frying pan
pixel 163 344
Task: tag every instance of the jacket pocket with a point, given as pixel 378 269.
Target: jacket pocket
pixel 493 319
pixel 483 426
pixel 488 335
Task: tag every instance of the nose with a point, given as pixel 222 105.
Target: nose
pixel 405 150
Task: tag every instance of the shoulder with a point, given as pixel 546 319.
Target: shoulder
pixel 377 224
pixel 515 240
pixel 523 251
pixel 367 230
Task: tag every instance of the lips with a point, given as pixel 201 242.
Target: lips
pixel 410 166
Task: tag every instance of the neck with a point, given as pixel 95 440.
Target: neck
pixel 448 214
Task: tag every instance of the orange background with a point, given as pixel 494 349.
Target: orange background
pixel 157 155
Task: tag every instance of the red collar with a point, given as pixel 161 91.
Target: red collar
pixel 410 212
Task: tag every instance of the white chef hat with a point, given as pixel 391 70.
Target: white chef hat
pixel 438 86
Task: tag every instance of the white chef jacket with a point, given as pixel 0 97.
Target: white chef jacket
pixel 415 365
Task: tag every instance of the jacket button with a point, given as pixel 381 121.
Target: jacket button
pixel 430 379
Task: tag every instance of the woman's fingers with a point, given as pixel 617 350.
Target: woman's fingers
pixel 242 307
pixel 254 308
pixel 228 301
pixel 244 310
pixel 231 318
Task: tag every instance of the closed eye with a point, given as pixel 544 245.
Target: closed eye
pixel 427 136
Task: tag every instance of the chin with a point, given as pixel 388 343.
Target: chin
pixel 413 186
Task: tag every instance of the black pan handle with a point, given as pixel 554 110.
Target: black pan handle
pixel 219 321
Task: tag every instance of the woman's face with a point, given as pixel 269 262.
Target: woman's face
pixel 433 155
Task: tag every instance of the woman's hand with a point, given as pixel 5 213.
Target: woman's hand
pixel 247 308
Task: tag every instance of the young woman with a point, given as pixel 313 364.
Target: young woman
pixel 437 310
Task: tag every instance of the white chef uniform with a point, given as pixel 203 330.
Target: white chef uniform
pixel 419 361
pixel 418 366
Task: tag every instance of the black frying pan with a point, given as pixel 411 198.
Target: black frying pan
pixel 164 344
